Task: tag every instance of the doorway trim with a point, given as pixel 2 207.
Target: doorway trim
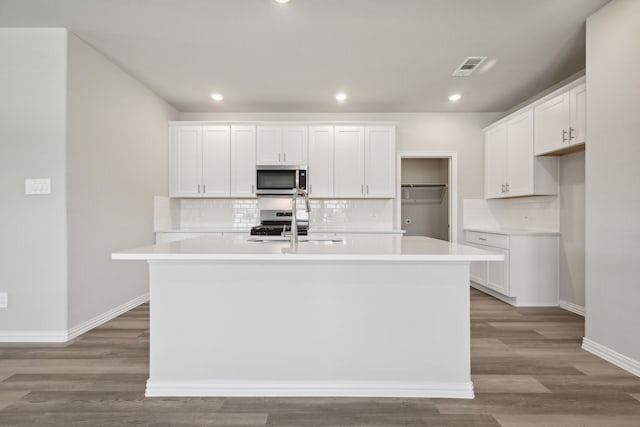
pixel 452 157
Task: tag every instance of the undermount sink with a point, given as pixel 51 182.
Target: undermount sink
pixel 301 239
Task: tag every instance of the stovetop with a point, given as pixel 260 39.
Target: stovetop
pixel 276 229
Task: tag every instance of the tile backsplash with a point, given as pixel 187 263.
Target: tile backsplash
pixel 245 213
pixel 531 213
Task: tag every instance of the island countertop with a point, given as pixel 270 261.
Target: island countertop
pixel 350 248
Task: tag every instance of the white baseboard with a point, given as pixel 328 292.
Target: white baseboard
pixel 105 317
pixel 69 334
pixel 620 360
pixel 308 389
pixel 574 308
pixel 33 336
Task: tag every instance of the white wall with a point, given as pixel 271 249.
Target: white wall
pixel 117 156
pixel 572 228
pixel 613 179
pixel 460 132
pixel 32 145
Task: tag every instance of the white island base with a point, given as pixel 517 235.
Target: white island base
pixel 309 324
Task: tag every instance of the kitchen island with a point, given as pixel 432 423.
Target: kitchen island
pixel 365 316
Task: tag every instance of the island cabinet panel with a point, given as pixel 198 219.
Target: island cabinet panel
pixel 528 276
pixel 243 161
pixel 364 165
pixel 511 168
pixel 321 146
pixel 349 162
pixel 560 122
pixel 282 145
pixel 199 165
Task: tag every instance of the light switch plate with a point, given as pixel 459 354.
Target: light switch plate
pixel 37 186
pixel 4 299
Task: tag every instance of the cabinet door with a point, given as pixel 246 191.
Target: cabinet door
pixel 498 273
pixel 269 145
pixel 216 161
pixel 321 161
pixel 348 162
pixel 186 161
pixel 243 161
pixel 478 269
pixel 552 124
pixel 495 161
pixel 294 145
pixel 578 115
pixel 380 161
pixel 520 155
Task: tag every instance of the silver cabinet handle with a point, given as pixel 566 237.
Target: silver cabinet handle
pixel 571 130
pixel 503 188
pixel 198 188
pixel 252 189
pixel 284 156
pixel 481 238
pixel 204 188
pixel 362 189
pixel 367 188
pixel 311 189
pixel 507 186
pixel 278 157
pixel 564 135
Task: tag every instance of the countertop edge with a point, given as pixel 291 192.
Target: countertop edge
pixel 513 232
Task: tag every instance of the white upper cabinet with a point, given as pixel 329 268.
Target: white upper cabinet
pixel 495 161
pixel 349 162
pixel 185 168
pixel 199 165
pixel 380 160
pixel 364 161
pixel 520 158
pixel 511 168
pixel 344 161
pixel 294 145
pixel 321 143
pixel 269 148
pixel 216 152
pixel 243 161
pixel 560 122
pixel 282 145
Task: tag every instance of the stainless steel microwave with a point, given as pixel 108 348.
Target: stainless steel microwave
pixel 280 180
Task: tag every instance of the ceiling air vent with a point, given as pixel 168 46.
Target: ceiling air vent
pixel 468 66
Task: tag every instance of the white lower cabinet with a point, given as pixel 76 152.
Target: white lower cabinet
pixel 528 276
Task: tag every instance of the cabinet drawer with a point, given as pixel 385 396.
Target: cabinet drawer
pixel 487 239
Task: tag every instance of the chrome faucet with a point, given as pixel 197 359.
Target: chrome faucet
pixel 294 221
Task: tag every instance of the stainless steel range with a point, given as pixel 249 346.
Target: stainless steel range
pixel 275 223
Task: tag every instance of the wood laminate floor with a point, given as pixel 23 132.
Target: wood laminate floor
pixel 527 364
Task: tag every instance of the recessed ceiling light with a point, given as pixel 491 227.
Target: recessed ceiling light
pixel 455 97
pixel 341 97
pixel 282 1
pixel 217 97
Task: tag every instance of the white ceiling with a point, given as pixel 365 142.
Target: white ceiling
pixel 388 55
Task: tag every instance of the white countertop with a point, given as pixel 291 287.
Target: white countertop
pixel 205 230
pixel 514 231
pixel 352 248
pixel 345 230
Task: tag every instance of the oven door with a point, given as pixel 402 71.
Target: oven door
pixel 276 181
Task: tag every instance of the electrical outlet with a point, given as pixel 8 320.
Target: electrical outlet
pixel 37 186
pixel 4 299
